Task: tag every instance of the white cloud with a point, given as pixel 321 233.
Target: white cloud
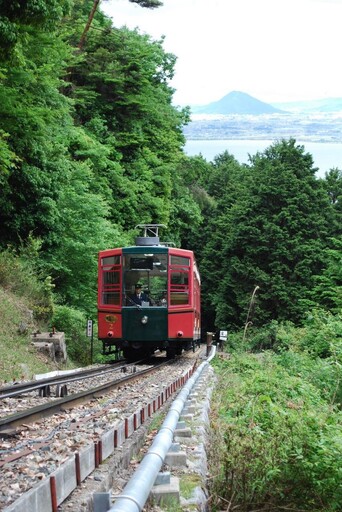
pixel 275 50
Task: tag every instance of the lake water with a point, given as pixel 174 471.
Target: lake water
pixel 326 155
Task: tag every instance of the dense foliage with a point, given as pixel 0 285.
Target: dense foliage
pixel 270 229
pixel 89 140
pixel 275 439
pixel 91 145
pixel 276 417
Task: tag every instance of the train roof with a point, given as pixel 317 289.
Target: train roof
pixel 150 240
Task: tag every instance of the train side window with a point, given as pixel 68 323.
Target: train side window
pixel 111 277
pixel 180 260
pixel 111 298
pixel 111 287
pixel 179 277
pixel 179 288
pixel 179 280
pixel 111 260
pixel 178 298
pixel 111 280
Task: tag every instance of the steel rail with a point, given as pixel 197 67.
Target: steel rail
pixel 25 387
pixel 28 387
pixel 41 411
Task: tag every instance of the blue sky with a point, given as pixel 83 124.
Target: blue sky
pixel 274 50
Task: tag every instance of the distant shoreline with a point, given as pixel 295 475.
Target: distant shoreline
pixel 326 155
pixel 310 128
pixel 264 139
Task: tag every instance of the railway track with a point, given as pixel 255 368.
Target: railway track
pixel 35 443
pixel 112 378
pixel 43 385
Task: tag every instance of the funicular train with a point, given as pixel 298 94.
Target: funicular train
pixel 167 316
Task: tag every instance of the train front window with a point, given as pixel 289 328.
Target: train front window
pixel 149 270
pixel 110 293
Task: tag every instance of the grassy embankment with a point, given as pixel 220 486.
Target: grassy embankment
pixel 19 359
pixel 25 307
pixel 276 425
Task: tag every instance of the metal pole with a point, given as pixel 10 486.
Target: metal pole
pixel 209 342
pixel 90 334
pixel 92 344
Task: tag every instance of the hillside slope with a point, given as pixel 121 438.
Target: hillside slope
pixel 19 359
pixel 323 106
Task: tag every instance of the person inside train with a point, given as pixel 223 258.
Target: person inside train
pixel 139 296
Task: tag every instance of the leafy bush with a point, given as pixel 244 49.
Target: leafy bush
pixel 73 324
pixel 275 441
pixel 277 336
pixel 19 275
pixel 322 329
pixel 320 336
pixel 314 352
pixel 260 339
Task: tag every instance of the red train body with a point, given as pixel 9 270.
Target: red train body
pixel 168 318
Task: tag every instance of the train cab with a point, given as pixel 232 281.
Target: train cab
pixel 166 316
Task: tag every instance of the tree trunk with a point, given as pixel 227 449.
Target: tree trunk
pixel 86 28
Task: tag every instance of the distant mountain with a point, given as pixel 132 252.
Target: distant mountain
pixel 237 103
pixel 326 105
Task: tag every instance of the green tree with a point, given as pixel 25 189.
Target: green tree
pixel 89 141
pixel 327 286
pixel 273 235
pixel 70 251
pixel 188 201
pixel 225 184
pixel 20 18
pixel 35 117
pixel 122 84
pixel 50 189
pixel 333 185
pixel 151 4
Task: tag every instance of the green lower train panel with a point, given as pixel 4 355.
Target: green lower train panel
pixel 144 324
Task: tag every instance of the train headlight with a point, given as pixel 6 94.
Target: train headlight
pixel 144 319
pixel 110 334
pixel 180 334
